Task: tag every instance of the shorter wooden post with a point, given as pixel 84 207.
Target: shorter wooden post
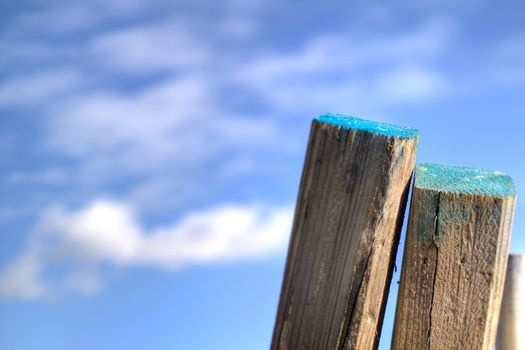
pixel 455 258
pixel 511 329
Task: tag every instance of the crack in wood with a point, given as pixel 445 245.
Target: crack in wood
pixel 435 236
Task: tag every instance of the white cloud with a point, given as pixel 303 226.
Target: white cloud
pixel 150 48
pixel 177 124
pixel 91 124
pixel 57 19
pixel 87 283
pixel 410 84
pixel 164 120
pixel 36 88
pixel 22 279
pixel 63 18
pixel 147 101
pixel 188 120
pixel 347 54
pixel 508 61
pixel 348 73
pixel 49 176
pixel 107 234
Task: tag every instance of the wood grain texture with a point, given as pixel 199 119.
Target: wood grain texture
pixel 511 328
pixel 454 259
pixel 344 239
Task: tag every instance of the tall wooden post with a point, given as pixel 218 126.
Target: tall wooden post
pixel 345 234
pixel 455 258
pixel 511 329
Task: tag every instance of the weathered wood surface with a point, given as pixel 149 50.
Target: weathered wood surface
pixel 511 329
pixel 455 258
pixel 344 239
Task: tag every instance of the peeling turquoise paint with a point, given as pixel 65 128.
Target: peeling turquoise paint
pixel 461 180
pixel 368 125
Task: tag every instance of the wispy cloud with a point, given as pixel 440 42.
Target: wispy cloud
pixel 115 131
pixel 154 110
pixel 508 59
pixel 349 73
pixel 108 234
pixel 22 279
pixel 34 89
pixel 151 48
pixel 179 120
pixel 177 124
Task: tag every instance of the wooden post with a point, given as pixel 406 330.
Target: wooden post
pixel 455 258
pixel 346 228
pixel 511 329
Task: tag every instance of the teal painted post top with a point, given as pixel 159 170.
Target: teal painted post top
pixel 349 122
pixel 445 178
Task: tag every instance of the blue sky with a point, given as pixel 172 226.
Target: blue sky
pixel 150 151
